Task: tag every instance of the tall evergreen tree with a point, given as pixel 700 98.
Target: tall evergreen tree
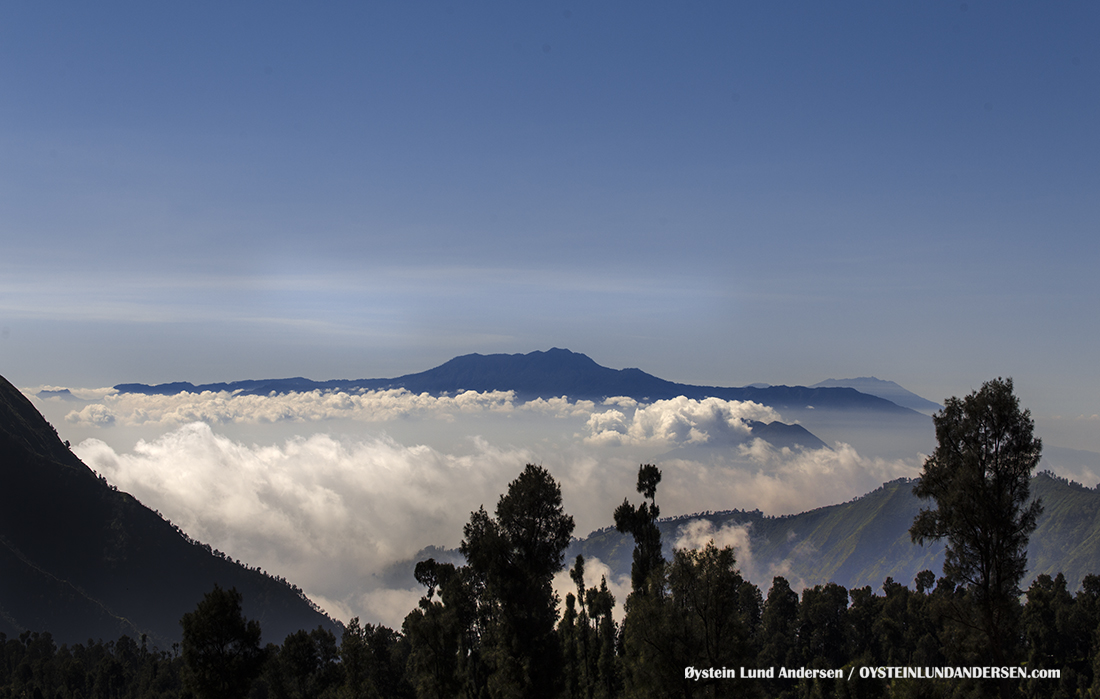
pixel 374 660
pixel 442 636
pixel 1053 631
pixel 979 479
pixel 715 612
pixel 588 639
pixel 221 649
pixel 641 523
pixel 516 554
pixel 648 648
pixel 779 634
pixel 600 605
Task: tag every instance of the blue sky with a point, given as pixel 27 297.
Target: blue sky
pixel 715 192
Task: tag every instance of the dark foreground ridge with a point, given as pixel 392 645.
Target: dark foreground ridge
pixel 549 374
pixel 84 560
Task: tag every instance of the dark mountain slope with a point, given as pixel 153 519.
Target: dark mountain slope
pixel 80 559
pixel 549 374
pixel 41 601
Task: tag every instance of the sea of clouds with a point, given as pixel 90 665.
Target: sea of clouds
pixel 331 489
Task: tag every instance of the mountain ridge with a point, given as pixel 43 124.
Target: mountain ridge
pixel 549 374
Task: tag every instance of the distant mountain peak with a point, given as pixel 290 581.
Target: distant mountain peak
pixel 550 374
pixel 887 390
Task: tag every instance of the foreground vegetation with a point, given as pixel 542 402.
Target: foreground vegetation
pixel 696 610
pixel 490 628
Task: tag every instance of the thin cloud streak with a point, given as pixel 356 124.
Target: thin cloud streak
pixel 32 291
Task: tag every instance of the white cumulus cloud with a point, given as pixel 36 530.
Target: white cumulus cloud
pixel 678 421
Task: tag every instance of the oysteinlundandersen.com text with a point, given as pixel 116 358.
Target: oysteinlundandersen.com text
pixel 875 672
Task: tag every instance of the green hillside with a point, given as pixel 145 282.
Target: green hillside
pixel 1068 536
pixel 866 540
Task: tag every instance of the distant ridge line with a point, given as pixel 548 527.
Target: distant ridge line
pixel 547 374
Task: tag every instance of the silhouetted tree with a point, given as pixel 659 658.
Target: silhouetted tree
pixel 823 626
pixel 641 523
pixel 779 634
pixel 306 666
pixel 374 659
pixel 714 614
pixel 221 649
pixel 1056 637
pixel 573 661
pixel 436 632
pixel 979 479
pixel 649 652
pixel 588 639
pixel 516 555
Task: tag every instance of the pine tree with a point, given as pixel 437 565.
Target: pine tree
pixel 516 555
pixel 221 649
pixel 979 478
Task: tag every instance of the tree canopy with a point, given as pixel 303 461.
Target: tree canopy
pixel 515 556
pixel 979 479
pixel 221 649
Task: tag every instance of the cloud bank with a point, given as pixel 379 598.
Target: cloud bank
pixel 135 409
pixel 334 511
pixel 331 514
pixel 756 475
pixel 675 421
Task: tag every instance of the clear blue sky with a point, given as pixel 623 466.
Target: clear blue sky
pixel 716 192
